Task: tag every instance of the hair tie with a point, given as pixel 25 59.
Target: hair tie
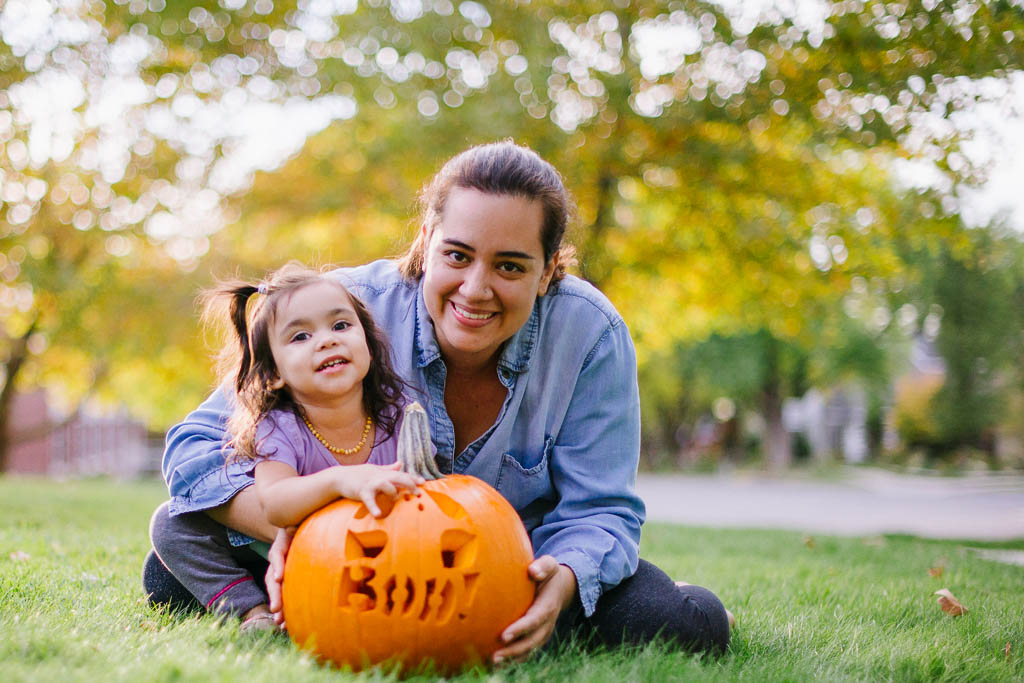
pixel 262 288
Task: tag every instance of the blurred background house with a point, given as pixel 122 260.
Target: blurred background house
pixel 94 440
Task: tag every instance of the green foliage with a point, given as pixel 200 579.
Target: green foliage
pixel 978 290
pixel 733 177
pixel 71 606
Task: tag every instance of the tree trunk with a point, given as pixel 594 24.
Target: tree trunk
pixel 777 448
pixel 17 357
pixel 593 265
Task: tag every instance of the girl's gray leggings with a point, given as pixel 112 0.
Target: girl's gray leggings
pixel 194 565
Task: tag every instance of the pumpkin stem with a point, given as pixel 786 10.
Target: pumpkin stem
pixel 414 451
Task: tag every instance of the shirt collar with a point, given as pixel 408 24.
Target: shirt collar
pixel 515 355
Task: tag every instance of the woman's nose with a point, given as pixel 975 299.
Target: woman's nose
pixel 476 283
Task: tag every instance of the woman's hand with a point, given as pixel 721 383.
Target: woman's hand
pixel 366 482
pixel 556 587
pixel 275 572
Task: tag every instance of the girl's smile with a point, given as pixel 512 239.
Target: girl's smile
pixel 333 364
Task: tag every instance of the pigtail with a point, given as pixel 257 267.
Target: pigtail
pixel 240 295
pixel 239 368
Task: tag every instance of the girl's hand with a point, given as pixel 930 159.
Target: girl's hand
pixel 366 482
pixel 359 482
pixel 275 571
pixel 556 587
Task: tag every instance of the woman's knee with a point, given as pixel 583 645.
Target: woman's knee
pixel 714 636
pixel 650 606
pixel 693 616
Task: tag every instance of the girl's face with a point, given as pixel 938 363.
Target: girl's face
pixel 483 270
pixel 319 345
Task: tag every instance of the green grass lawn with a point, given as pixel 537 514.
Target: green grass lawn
pixel 830 608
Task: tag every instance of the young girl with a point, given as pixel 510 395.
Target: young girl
pixel 316 410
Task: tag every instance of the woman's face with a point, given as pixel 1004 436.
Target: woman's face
pixel 483 269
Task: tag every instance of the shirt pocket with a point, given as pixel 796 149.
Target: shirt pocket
pixel 528 489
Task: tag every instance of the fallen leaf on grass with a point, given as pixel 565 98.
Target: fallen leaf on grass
pixel 809 542
pixel 949 604
pixel 1006 650
pixel 936 572
pixel 20 556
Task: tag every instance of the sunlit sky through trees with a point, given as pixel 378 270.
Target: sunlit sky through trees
pixel 241 127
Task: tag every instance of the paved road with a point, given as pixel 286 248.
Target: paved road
pixel 860 502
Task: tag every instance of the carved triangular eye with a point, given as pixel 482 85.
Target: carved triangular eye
pixel 458 548
pixel 364 544
pixel 448 505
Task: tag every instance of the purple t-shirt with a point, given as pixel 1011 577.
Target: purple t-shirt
pixel 283 436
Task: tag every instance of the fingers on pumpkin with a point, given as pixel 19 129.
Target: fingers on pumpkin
pixel 407 481
pixel 542 568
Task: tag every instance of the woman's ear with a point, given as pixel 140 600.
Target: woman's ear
pixel 549 272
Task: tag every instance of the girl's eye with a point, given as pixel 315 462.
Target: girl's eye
pixel 299 337
pixel 342 325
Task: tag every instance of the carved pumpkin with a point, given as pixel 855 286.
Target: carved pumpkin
pixel 437 578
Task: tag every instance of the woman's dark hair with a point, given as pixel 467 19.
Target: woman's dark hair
pixel 501 168
pixel 248 364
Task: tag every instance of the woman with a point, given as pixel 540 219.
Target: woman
pixel 529 377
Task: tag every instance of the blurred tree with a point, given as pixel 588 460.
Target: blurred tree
pixel 87 294
pixel 738 166
pixel 732 165
pixel 970 300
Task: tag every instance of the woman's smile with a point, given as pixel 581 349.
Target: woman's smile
pixel 469 316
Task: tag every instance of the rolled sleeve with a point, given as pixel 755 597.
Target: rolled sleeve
pixel 194 463
pixel 595 526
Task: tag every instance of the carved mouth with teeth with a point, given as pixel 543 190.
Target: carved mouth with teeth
pixel 332 363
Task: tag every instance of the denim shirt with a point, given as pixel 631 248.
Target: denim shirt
pixel 563 451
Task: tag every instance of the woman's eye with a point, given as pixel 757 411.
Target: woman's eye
pixel 509 267
pixel 457 256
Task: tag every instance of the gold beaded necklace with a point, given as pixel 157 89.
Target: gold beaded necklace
pixel 340 451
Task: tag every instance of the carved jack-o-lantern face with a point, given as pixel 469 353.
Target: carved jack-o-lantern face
pixel 373 575
pixel 436 578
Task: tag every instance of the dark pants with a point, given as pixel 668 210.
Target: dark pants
pixel 194 566
pixel 645 607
